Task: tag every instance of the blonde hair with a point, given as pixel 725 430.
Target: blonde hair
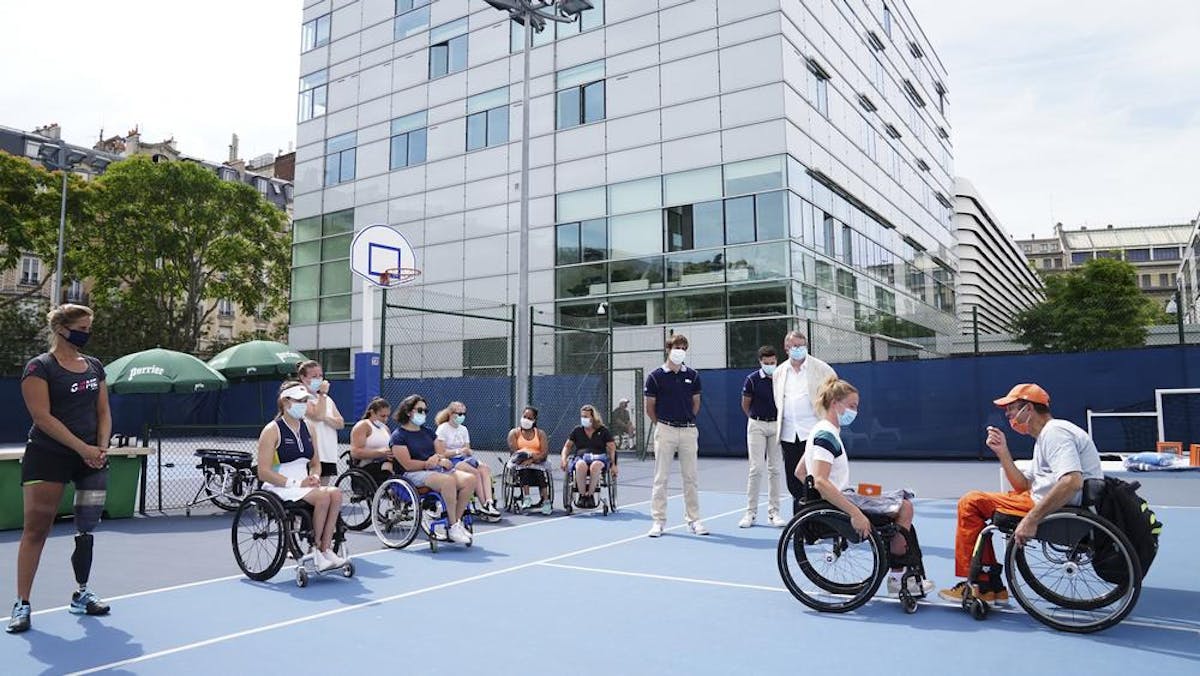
pixel 61 316
pixel 597 421
pixel 832 391
pixel 444 414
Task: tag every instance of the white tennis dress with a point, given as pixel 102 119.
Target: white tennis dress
pixel 292 458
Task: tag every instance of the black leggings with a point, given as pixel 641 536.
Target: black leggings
pixel 792 452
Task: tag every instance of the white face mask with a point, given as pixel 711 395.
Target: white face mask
pixel 585 422
pixel 677 356
pixel 526 424
pixel 297 409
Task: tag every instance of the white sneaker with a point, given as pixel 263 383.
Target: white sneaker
pixel 698 528
pixel 460 534
pixel 893 586
pixel 337 561
pixel 322 561
pixel 776 521
pixel 747 520
pixel 656 529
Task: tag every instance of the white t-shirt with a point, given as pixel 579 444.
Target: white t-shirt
pixel 825 444
pixel 797 412
pixel 1061 448
pixel 327 438
pixel 456 437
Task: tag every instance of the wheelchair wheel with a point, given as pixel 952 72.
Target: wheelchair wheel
pixel 298 522
pixel 509 491
pixel 568 488
pixel 825 564
pixel 1055 577
pixel 226 486
pixel 258 537
pixel 358 491
pixel 395 513
pixel 612 493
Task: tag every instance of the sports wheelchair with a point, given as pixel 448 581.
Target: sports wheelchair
pixel 361 482
pixel 1079 573
pixel 514 478
pixel 830 568
pixel 266 530
pixel 400 510
pixel 607 483
pixel 229 476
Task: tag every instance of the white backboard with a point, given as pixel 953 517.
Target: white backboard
pixel 377 248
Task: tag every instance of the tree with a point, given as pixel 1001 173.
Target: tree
pixel 21 336
pixel 29 214
pixel 1097 307
pixel 170 239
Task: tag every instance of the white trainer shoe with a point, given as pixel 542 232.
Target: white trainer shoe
pixel 776 521
pixel 322 561
pixel 698 528
pixel 893 586
pixel 747 520
pixel 656 529
pixel 460 534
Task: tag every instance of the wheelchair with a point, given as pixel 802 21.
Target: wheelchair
pixel 608 503
pixel 830 568
pixel 514 478
pixel 229 476
pixel 1078 574
pixel 400 510
pixel 266 530
pixel 361 482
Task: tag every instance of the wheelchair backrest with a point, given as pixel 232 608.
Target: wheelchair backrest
pixel 1093 492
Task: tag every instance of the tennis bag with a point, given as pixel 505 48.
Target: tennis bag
pixel 1132 515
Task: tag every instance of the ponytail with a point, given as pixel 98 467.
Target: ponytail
pixel 373 407
pixel 833 390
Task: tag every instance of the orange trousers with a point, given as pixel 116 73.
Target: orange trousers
pixel 974 509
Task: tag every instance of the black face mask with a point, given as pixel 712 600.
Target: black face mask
pixel 78 338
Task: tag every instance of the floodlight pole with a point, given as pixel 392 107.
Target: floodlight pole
pixel 56 286
pixel 524 371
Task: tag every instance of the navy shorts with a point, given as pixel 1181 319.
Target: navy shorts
pixel 49 461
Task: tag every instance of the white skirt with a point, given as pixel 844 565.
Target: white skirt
pixel 296 469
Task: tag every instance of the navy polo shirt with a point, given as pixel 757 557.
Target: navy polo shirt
pixel 762 396
pixel 672 392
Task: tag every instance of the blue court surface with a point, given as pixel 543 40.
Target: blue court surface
pixel 581 594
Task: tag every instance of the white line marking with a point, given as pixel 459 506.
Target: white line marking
pixel 376 602
pixel 414 547
pixel 672 578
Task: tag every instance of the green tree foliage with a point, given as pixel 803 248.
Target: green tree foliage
pixel 167 241
pixel 1097 307
pixel 29 215
pixel 21 336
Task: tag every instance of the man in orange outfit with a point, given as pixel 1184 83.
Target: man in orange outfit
pixel 1063 457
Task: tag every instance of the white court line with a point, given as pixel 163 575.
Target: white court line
pixel 226 578
pixel 671 578
pixel 378 602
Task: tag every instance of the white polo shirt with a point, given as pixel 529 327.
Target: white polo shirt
pixel 797 411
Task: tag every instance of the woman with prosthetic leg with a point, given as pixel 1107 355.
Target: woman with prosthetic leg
pixel 64 391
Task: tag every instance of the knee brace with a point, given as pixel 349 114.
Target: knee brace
pixel 90 494
pixel 81 558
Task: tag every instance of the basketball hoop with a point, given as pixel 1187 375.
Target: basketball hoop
pixel 397 276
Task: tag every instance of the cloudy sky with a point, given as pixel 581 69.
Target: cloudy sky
pixel 1082 113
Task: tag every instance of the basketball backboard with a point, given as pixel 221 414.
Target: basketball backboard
pixel 381 251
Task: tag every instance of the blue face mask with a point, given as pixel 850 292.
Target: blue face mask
pixel 846 417
pixel 418 419
pixel 297 409
pixel 315 384
pixel 798 353
pixel 460 418
pixel 768 369
pixel 78 338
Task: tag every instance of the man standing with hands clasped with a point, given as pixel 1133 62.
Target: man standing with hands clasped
pixel 795 386
pixel 762 439
pixel 672 402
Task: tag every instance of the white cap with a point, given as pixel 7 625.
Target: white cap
pixel 296 393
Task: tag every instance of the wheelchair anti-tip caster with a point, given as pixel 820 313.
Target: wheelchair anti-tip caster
pixel 301 577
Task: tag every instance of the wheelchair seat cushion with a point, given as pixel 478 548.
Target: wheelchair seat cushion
pixel 1006 521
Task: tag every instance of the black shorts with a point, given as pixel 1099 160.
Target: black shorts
pixel 48 461
pixel 329 469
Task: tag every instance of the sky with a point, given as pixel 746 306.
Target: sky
pixel 1084 113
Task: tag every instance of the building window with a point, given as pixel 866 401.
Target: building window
pixel 1080 257
pixel 695 226
pixel 887 20
pixel 485 356
pixel 580 97
pixel 940 89
pixel 321 279
pixel 744 338
pixel 225 308
pixel 1137 255
pixel 818 87
pixel 581 242
pixel 412 17
pixel 915 50
pixel 1166 253
pixel 1058 263
pixel 75 291
pixel 487 119
pixel 340 155
pixel 913 94
pixel 1046 263
pixel 891 130
pixel 448 48
pixel 31 270
pixel 313 94
pixel 334 362
pixel 1145 281
pixel 1164 280
pixel 315 33
pixel 408 140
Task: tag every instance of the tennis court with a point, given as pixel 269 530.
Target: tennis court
pixel 534 590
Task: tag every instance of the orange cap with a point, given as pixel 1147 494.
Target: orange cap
pixel 1026 392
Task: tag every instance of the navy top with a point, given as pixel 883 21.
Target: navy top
pixel 672 392
pixel 73 398
pixel 419 443
pixel 288 450
pixel 597 443
pixel 762 396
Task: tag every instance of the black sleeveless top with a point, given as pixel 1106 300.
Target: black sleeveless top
pixel 288 449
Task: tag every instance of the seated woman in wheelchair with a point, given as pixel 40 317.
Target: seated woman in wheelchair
pixel 825 460
pixel 589 450
pixel 413 448
pixel 289 467
pixel 530 448
pixel 370 441
pixel 1063 457
pixel 454 443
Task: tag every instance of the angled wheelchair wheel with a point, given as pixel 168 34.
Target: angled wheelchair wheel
pixel 396 513
pixel 568 488
pixel 612 493
pixel 825 564
pixel 510 492
pixel 299 527
pixel 358 491
pixel 1079 573
pixel 258 536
